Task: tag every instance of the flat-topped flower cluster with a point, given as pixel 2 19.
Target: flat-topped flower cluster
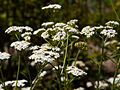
pixel 107 30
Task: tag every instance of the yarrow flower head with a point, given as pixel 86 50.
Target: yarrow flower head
pixel 45 53
pixel 88 31
pixel 26 36
pixel 112 23
pixel 39 30
pixel 34 47
pixel 20 83
pixel 18 28
pixel 20 45
pixel 57 31
pixel 102 84
pixel 75 71
pixel 52 6
pixel 109 33
pixel 4 55
pixel 47 24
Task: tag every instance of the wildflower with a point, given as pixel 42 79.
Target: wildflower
pixel 75 71
pixel 18 28
pixel 109 33
pixel 43 74
pixel 37 31
pixel 45 53
pixel 20 45
pixel 13 83
pixel 47 24
pixel 60 24
pixel 81 45
pixel 112 23
pixel 52 6
pixel 88 31
pixel 26 34
pixel 80 63
pixel 34 47
pixel 102 84
pixel 20 83
pixel 98 27
pixel 59 36
pixel 4 55
pixel 111 42
pixel 74 36
pixel 45 34
pixel 89 84
pixel 72 22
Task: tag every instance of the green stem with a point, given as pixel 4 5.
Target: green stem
pixel 3 83
pixel 116 71
pixel 100 64
pixel 47 41
pixel 17 73
pixel 58 75
pixel 66 49
pixel 115 11
pixel 17 37
pixel 77 57
pixel 37 77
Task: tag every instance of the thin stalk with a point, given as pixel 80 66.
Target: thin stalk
pixel 3 83
pixel 77 57
pixel 17 37
pixel 29 73
pixel 58 75
pixel 114 10
pixel 48 42
pixel 116 71
pixel 36 78
pixel 100 64
pixel 17 73
pixel 66 49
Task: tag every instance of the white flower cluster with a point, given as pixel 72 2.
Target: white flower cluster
pixel 26 36
pixel 117 80
pixel 112 23
pixel 111 42
pixel 45 34
pixel 109 33
pixel 52 6
pixel 4 55
pixel 75 71
pixel 18 28
pixel 105 30
pixel 20 83
pixel 45 53
pixel 89 84
pixel 47 24
pixel 43 74
pixel 34 47
pixel 37 31
pixel 102 84
pixel 73 22
pixel 58 31
pixel 88 31
pixel 20 45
